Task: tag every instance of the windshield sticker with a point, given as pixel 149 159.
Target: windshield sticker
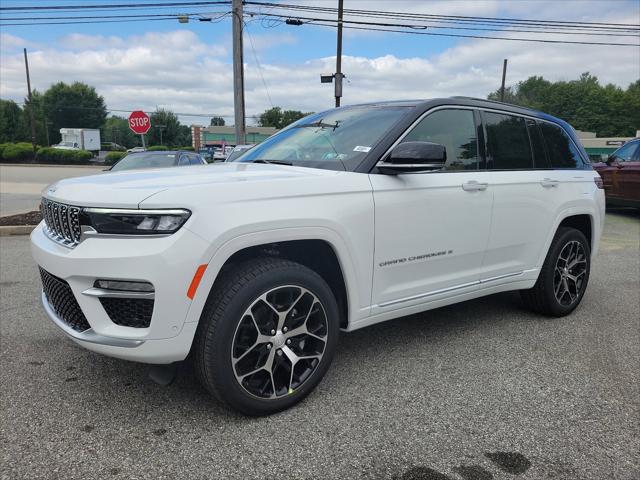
pixel 360 148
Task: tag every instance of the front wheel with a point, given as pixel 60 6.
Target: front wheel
pixel 267 335
pixel 564 275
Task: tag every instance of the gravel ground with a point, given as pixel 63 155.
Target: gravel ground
pixel 476 391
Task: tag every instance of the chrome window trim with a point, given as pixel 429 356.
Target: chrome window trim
pixel 382 161
pixel 105 293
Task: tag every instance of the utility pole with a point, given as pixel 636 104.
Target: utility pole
pixel 339 75
pixel 238 72
pixel 160 127
pixel 504 76
pixel 33 124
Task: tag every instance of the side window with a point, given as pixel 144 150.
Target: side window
pixel 456 130
pixel 184 160
pixel 626 152
pixel 540 159
pixel 561 150
pixel 195 160
pixel 507 142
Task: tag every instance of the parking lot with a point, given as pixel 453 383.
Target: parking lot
pixel 476 391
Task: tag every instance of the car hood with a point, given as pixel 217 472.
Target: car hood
pixel 128 189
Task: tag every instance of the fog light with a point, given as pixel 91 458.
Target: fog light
pixel 124 285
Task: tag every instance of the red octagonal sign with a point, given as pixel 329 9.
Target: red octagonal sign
pixel 139 122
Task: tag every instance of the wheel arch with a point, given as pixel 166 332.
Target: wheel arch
pixel 584 220
pixel 320 249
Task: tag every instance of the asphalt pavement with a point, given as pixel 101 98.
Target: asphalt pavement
pixel 476 391
pixel 21 185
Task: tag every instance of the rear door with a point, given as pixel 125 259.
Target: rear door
pixel 628 164
pixel 431 228
pixel 528 190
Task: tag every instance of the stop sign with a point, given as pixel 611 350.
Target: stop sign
pixel 139 122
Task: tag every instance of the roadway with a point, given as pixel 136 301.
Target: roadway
pixel 21 185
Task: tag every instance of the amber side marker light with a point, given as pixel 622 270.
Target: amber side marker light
pixel 196 281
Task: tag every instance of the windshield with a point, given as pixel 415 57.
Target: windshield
pixel 145 160
pixel 334 140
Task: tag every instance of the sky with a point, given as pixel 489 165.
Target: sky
pixel 187 68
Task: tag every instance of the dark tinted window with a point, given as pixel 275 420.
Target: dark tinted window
pixel 537 145
pixel 456 130
pixel 508 142
pixel 194 159
pixel 184 160
pixel 561 150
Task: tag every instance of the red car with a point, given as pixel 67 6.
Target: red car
pixel 621 175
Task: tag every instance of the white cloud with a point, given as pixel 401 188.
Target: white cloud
pixel 177 70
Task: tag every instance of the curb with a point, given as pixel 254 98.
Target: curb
pixel 11 230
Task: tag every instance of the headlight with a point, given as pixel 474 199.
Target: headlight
pixel 134 222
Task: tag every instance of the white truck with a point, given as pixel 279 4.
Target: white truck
pixel 344 219
pixel 79 139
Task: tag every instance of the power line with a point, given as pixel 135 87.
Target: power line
pixel 255 56
pixel 418 30
pixel 115 6
pixel 564 23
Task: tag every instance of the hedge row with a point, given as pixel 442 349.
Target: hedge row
pixel 23 153
pixel 113 157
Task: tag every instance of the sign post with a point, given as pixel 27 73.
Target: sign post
pixel 140 123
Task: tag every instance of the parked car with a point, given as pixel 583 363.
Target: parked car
pixel 620 173
pixel 237 151
pixel 344 219
pixel 136 149
pixel 157 159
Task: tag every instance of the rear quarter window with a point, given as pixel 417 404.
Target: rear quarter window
pixel 560 149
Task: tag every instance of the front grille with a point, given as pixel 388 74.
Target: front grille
pixel 63 302
pixel 62 222
pixel 129 312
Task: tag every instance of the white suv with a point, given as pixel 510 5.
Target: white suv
pixel 344 219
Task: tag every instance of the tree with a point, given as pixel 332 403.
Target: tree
pixel 168 122
pixel 217 122
pixel 72 106
pixel 584 103
pixel 12 126
pixel 278 118
pixel 116 129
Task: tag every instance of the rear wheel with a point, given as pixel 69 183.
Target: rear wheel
pixel 267 335
pixel 564 275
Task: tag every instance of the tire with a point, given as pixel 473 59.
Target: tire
pixel 238 358
pixel 558 291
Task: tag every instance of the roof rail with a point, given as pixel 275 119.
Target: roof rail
pixel 494 101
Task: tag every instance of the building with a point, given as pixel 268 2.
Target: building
pixel 597 146
pixel 207 137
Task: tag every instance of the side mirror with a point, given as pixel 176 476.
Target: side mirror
pixel 414 157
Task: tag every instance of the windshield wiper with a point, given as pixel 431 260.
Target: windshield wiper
pixel 320 124
pixel 275 162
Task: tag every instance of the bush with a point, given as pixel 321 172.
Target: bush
pixel 112 147
pixel 64 157
pixel 157 148
pixel 17 152
pixel 113 157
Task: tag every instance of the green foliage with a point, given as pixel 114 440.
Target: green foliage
pixel 112 147
pixel 168 122
pixel 116 129
pixel 113 157
pixel 72 106
pixel 12 127
pixel 217 122
pixel 608 110
pixel 63 157
pixel 17 152
pixel 156 148
pixel 278 118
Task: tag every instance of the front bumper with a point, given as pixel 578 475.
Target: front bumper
pixel 168 263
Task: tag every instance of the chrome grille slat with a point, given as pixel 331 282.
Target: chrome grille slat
pixel 62 222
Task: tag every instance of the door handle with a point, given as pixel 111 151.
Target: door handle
pixel 548 182
pixel 473 186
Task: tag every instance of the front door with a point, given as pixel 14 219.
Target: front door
pixel 431 229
